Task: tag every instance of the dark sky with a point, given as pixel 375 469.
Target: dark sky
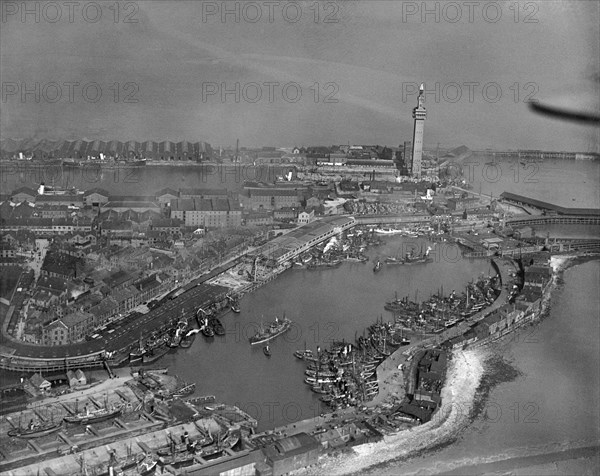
pixel 350 71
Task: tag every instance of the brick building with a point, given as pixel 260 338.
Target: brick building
pixel 210 213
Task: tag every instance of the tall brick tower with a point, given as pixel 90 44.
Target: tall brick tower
pixel 419 115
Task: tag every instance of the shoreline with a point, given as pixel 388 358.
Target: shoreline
pixel 458 396
pixel 466 371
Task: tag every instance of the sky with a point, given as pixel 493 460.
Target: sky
pixel 300 73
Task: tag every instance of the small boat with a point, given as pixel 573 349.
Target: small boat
pixel 319 389
pixel 303 354
pixel 185 390
pixel 137 354
pixel 218 327
pixel 267 351
pixel 206 329
pixel 377 266
pixel 187 341
pixel 35 430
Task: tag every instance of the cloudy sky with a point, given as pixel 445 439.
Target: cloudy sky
pixel 299 72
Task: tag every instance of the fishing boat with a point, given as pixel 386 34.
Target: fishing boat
pixel 94 416
pixel 321 373
pixel 303 354
pixel 412 258
pixel 175 339
pixel 35 430
pixel 312 381
pixel 235 305
pixel 319 389
pixel 186 390
pixel 276 328
pixel 147 466
pixel 188 339
pixel 218 327
pixel 177 459
pixel 116 465
pixel 392 260
pixel 387 231
pixel 267 351
pixel 206 328
pixel 137 354
pixel 173 447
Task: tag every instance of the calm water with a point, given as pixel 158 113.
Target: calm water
pixel 555 400
pixel 564 182
pixel 568 183
pixel 136 180
pixel 326 305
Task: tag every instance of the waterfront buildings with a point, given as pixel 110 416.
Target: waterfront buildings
pixel 286 247
pixel 271 198
pixel 104 150
pixel 289 454
pixel 211 213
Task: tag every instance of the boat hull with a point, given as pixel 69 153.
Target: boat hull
pixel 30 434
pixel 85 419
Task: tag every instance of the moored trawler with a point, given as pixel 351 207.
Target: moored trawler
pixel 276 328
pixel 35 430
pixel 94 416
pixel 387 231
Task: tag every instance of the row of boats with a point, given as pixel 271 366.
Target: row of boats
pixel 37 429
pixel 180 334
pixel 207 446
pixel 346 373
pixel 440 312
pixel 409 257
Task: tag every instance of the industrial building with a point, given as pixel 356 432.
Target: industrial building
pixel 289 454
pixel 210 213
pixel 98 149
pixel 546 206
pixel 290 245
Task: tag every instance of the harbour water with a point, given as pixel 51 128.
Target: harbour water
pixel 136 180
pixel 552 403
pixel 325 305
